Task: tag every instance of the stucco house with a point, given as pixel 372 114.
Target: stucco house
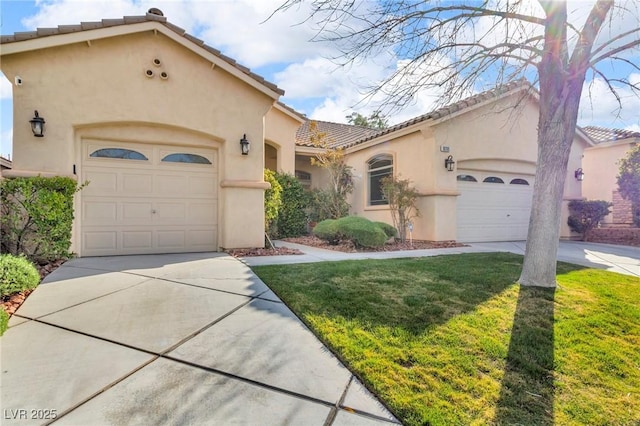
pixel 601 168
pixel 485 195
pixel 153 118
pixel 158 123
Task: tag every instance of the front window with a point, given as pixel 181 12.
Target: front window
pixel 379 168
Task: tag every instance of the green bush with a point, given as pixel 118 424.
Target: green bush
pixel 292 220
pixel 361 231
pixel 36 215
pixel 586 215
pixel 4 321
pixel 327 230
pixel 389 230
pixel 16 274
pixel 272 200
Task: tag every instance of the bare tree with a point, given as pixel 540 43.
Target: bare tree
pixel 450 47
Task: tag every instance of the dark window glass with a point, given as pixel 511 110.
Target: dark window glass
pixel 125 154
pixel 519 182
pixel 379 168
pixel 186 158
pixel 493 179
pixel 466 178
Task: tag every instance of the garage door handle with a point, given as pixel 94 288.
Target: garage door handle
pixel 507 215
pixel 153 211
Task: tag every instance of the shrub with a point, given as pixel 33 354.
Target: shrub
pixel 4 321
pixel 272 200
pixel 586 215
pixel 16 274
pixel 327 230
pixel 36 216
pixel 292 220
pixel 389 230
pixel 361 231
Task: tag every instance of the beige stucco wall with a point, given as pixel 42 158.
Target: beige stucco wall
pixel 573 188
pixel 600 165
pixel 280 133
pixel 84 85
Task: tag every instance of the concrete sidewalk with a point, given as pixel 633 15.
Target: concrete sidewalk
pixel 170 339
pixel 620 259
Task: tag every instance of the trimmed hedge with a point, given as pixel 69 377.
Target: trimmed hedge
pixel 17 274
pixel 327 230
pixel 292 220
pixel 36 215
pixel 359 230
pixel 388 229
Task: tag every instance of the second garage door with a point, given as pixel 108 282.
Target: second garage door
pixel 144 199
pixel 493 206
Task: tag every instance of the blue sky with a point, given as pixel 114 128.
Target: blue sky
pixel 280 51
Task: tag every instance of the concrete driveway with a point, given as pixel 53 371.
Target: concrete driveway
pixel 170 339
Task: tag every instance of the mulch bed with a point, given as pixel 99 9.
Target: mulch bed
pixel 12 302
pixel 348 247
pixel 278 251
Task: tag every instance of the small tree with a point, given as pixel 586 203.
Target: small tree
pixel 272 200
pixel 375 120
pixel 340 175
pixel 586 215
pixel 629 181
pixel 402 197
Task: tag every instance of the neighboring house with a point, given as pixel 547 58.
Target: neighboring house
pixel 5 164
pixel 153 118
pixel 601 168
pixel 492 137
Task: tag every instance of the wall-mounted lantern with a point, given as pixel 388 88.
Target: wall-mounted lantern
pixel 448 163
pixel 244 145
pixel 579 174
pixel 37 125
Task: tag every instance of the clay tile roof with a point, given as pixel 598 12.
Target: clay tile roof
pixel 128 20
pixel 338 135
pixel 346 135
pixel 602 134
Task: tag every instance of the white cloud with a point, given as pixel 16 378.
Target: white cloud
pixel 600 107
pixel 6 88
pixel 237 28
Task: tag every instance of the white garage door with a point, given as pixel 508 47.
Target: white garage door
pixel 493 206
pixel 145 199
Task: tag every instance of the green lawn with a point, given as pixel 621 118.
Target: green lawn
pixel 453 340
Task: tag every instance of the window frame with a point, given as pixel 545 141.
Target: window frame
pixel 380 172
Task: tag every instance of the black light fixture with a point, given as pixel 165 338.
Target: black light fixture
pixel 579 174
pixel 244 145
pixel 37 125
pixel 448 163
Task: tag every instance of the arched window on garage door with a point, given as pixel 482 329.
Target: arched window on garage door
pixel 466 178
pixel 182 157
pixel 519 182
pixel 493 179
pixel 121 153
pixel 379 167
